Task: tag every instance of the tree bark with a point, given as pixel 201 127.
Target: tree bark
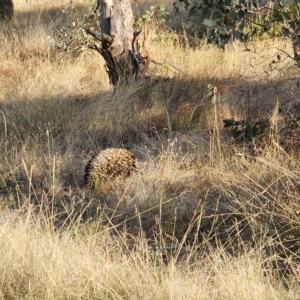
pixel 119 45
pixel 6 10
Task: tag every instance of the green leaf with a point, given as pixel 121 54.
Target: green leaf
pixel 241 13
pixel 267 26
pixel 228 122
pixel 223 32
pixel 238 35
pixel 216 17
pixel 210 87
pixel 163 7
pixel 175 7
pixel 193 11
pixel 186 4
pixel 209 23
pixel 232 16
pixel 188 25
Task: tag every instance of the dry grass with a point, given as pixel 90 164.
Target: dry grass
pixel 37 264
pixel 206 217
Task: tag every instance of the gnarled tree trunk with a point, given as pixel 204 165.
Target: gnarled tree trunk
pixel 119 46
pixel 6 10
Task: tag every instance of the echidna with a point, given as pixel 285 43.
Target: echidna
pixel 107 164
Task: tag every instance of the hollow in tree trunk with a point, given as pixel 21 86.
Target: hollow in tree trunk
pixel 6 10
pixel 119 42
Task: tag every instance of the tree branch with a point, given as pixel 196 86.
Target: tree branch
pixel 99 36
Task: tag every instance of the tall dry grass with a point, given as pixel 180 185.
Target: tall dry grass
pixel 39 264
pixel 206 217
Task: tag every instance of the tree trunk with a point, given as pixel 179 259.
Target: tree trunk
pixel 6 10
pixel 119 45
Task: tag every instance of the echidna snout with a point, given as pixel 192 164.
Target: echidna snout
pixel 107 164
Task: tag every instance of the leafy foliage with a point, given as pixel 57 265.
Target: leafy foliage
pixel 245 130
pixel 221 21
pixel 72 38
pixel 155 15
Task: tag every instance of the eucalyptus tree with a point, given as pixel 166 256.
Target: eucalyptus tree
pixel 119 44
